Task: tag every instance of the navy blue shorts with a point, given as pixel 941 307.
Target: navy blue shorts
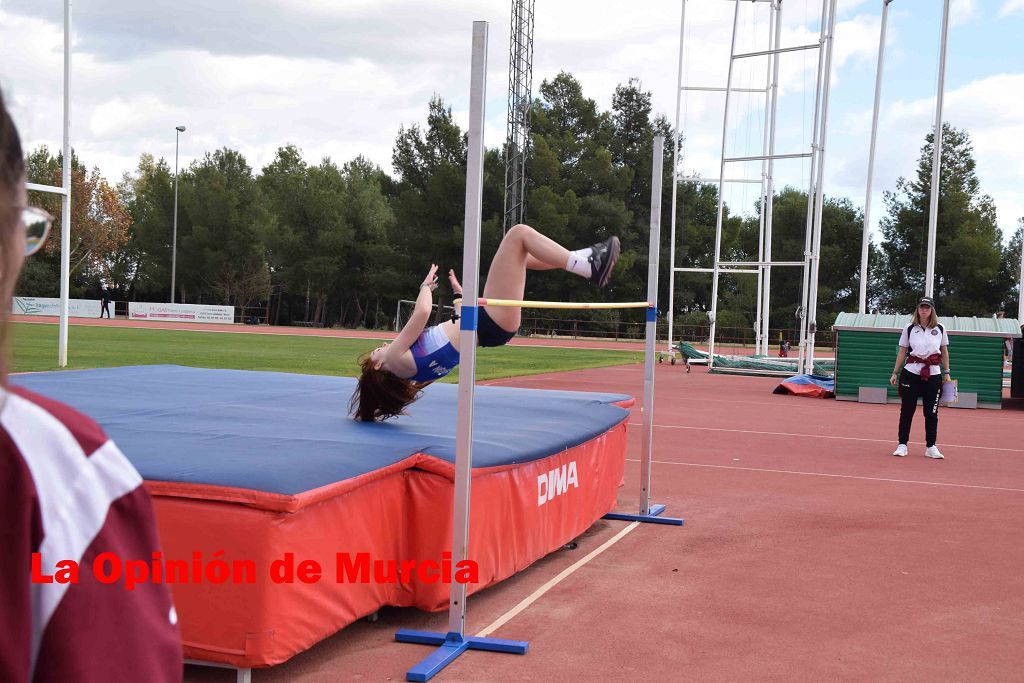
pixel 490 333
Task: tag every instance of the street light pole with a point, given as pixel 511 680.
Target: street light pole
pixel 174 245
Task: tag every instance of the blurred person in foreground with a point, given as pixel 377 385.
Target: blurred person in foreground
pixel 68 494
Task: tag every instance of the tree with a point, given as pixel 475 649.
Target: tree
pixel 429 199
pixel 223 218
pixel 577 197
pixel 1011 271
pixel 141 269
pixel 99 220
pixel 968 277
pixel 373 268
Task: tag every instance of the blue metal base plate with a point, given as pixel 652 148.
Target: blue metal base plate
pixel 449 647
pixel 653 517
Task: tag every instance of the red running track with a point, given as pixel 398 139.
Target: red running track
pixel 809 553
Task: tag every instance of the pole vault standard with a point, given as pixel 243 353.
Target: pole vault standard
pixel 453 643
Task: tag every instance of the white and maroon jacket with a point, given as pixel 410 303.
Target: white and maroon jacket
pixel 68 493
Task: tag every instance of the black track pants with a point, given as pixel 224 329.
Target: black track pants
pixel 912 387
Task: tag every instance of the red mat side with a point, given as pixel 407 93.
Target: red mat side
pixel 402 516
pixel 512 525
pixel 262 624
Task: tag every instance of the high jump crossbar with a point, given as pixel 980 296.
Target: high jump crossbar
pixel 514 303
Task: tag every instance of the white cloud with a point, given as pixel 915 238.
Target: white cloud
pixel 988 108
pixel 338 79
pixel 1011 6
pixel 962 11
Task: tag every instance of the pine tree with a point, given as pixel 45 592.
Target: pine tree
pixel 968 275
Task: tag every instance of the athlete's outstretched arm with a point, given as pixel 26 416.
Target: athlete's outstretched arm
pixel 419 318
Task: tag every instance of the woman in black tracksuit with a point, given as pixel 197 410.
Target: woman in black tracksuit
pixel 925 346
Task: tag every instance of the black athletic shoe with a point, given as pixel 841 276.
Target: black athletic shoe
pixel 602 259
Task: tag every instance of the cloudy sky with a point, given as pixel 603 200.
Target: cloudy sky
pixel 338 78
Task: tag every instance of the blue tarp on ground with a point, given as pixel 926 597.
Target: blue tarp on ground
pixel 814 386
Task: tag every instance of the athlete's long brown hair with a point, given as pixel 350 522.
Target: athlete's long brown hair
pixel 381 394
pixel 12 173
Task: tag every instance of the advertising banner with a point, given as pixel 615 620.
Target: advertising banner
pixel 35 305
pixel 186 313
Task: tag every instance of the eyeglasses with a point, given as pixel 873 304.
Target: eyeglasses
pixel 37 225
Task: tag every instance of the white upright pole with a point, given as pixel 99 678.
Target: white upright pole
pixel 1020 285
pixel 467 335
pixel 866 238
pixel 675 185
pixel 759 340
pixel 65 204
pixel 770 182
pixel 812 189
pixel 819 198
pixel 654 249
pixel 721 193
pixel 933 207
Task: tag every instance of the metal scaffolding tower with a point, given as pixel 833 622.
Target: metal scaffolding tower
pixel 520 80
pixel 764 263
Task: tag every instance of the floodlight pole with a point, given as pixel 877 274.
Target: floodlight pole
pixel 866 238
pixel 178 130
pixel 933 207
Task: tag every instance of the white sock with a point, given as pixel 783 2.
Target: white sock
pixel 579 262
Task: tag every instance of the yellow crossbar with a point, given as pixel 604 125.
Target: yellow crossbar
pixel 561 304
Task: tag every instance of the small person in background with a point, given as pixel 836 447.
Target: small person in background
pixel 104 301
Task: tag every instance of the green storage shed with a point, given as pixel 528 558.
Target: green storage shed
pixel 867 344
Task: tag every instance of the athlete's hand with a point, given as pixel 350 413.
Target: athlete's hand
pixel 893 380
pixel 454 281
pixel 431 279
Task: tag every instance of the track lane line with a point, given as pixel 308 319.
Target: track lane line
pixel 536 595
pixel 821 436
pixel 836 476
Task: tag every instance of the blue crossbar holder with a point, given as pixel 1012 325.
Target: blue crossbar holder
pixel 653 517
pixel 450 646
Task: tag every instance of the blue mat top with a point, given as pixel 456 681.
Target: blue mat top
pixel 286 433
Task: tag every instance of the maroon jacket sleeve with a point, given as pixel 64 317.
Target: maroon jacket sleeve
pixel 20 535
pixel 55 461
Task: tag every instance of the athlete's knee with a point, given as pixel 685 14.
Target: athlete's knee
pixel 519 231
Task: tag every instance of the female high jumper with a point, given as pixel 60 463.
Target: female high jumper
pixel 394 374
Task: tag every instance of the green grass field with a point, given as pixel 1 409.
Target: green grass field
pixel 34 348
